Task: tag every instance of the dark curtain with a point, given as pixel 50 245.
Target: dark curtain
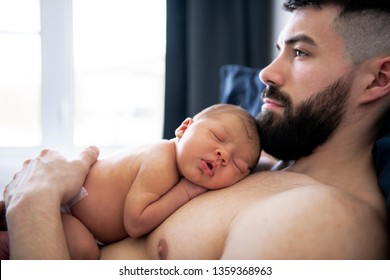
pixel 203 35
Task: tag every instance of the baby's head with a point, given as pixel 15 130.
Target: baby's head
pixel 247 121
pixel 218 147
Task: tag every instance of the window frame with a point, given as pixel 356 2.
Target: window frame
pixel 57 96
pixel 56 79
pixel 56 90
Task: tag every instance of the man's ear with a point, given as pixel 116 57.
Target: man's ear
pixel 183 127
pixel 380 83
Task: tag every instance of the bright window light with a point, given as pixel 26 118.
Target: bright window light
pixel 20 66
pixel 119 70
pixel 76 73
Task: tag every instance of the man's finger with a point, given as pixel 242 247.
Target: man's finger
pixel 89 155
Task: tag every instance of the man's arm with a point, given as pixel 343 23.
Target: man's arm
pixel 33 199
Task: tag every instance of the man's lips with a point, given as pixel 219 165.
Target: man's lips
pixel 208 167
pixel 271 103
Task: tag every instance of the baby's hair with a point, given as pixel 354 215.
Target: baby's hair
pixel 248 121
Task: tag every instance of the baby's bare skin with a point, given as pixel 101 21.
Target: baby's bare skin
pixel 108 183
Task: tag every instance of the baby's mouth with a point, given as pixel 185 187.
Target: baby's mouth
pixel 208 167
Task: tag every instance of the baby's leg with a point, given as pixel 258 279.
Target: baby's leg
pixel 81 243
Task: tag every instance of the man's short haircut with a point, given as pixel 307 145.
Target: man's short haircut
pixel 364 25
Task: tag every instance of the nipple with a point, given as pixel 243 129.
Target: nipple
pixel 162 249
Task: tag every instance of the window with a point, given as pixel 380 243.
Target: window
pixel 76 73
pixel 20 73
pixel 119 64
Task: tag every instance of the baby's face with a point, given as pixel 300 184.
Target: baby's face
pixel 217 152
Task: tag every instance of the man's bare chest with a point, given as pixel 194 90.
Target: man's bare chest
pixel 199 228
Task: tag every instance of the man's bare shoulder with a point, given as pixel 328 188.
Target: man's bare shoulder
pixel 308 220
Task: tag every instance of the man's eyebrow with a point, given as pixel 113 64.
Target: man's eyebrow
pixel 298 38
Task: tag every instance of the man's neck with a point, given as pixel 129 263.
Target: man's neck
pixel 345 165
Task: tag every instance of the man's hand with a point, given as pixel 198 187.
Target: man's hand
pixel 33 200
pixel 51 173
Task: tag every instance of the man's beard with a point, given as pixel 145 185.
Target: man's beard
pixel 299 131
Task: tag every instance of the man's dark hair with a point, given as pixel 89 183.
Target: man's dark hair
pixel 364 24
pixel 346 5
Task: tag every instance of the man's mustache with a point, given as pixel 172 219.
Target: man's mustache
pixel 274 93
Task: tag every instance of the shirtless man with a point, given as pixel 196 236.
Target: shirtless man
pixel 333 70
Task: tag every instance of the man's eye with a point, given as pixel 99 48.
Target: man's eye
pixel 299 53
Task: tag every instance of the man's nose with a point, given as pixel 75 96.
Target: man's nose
pixel 273 74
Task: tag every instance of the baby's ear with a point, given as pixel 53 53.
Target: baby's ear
pixel 380 85
pixel 183 127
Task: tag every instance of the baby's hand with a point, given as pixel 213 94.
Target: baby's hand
pixel 191 189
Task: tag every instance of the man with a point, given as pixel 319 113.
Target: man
pixel 327 94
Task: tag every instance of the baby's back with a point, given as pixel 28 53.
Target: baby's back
pixel 108 184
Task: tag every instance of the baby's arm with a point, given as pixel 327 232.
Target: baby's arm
pixel 154 195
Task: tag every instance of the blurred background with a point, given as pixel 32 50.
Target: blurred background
pixel 118 73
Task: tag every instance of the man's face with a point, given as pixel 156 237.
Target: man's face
pixel 308 86
pixel 300 130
